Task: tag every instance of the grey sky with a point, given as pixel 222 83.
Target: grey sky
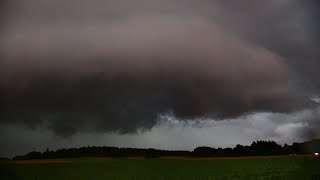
pixel 75 71
pixel 173 134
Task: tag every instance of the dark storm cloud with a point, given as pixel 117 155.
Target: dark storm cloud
pixel 170 133
pixel 289 28
pixel 111 66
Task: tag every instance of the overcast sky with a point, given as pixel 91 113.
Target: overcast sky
pixel 169 74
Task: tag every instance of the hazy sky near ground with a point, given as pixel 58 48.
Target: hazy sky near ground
pixel 108 72
pixel 172 134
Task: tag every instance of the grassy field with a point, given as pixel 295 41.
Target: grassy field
pixel 294 167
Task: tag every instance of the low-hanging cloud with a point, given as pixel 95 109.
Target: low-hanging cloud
pixel 119 73
pixel 173 134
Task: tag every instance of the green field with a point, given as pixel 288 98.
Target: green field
pixel 164 168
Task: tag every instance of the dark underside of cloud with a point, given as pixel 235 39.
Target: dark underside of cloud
pixel 85 69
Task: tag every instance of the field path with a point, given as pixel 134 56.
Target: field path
pixel 42 161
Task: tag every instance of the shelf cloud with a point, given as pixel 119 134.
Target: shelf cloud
pixel 117 66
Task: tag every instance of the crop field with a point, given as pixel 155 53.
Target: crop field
pixel 286 167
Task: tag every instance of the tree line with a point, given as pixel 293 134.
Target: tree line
pixel 257 148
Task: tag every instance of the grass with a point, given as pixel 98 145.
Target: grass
pixel 164 168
